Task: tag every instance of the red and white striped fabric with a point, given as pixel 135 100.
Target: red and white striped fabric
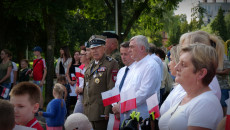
pixel 153 105
pixel 78 72
pixel 111 96
pixel 128 100
pixel 5 92
pixel 227 127
pixel 73 77
pixel 113 123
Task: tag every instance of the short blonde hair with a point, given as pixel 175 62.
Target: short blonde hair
pixel 58 88
pixel 175 53
pixel 208 39
pixel 31 89
pixel 203 56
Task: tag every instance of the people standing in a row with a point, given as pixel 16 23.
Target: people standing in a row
pixel 99 77
pixel 181 101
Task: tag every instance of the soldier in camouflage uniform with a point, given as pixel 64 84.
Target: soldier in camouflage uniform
pixel 111 47
pixel 99 77
pixel 222 77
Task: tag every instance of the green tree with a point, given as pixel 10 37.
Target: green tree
pixel 227 21
pixel 129 13
pixel 219 25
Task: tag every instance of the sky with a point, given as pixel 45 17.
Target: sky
pixel 186 5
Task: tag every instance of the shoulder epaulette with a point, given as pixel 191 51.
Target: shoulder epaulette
pixel 109 58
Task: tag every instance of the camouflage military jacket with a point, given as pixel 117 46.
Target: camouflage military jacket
pixel 98 78
pixel 117 56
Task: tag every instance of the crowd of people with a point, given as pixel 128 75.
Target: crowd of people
pixel 199 90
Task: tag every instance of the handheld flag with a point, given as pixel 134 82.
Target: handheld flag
pixel 152 103
pixel 111 96
pixel 128 100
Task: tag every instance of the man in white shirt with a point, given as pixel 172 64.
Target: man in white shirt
pixel 146 78
pixel 129 63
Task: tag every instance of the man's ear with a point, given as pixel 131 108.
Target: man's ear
pixel 36 107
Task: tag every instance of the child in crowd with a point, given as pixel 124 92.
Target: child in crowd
pixel 25 97
pixel 39 71
pixel 7 115
pixel 56 110
pixel 24 71
pixel 62 80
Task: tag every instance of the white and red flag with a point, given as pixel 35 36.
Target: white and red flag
pixel 227 127
pixel 128 100
pixel 111 96
pixel 73 77
pixel 78 72
pixel 113 123
pixel 153 105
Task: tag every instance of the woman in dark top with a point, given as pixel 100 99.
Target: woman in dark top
pixel 73 79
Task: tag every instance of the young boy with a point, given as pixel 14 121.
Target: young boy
pixel 24 71
pixel 39 71
pixel 25 97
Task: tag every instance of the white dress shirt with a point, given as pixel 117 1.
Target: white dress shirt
pixel 145 78
pixel 120 74
pixel 159 61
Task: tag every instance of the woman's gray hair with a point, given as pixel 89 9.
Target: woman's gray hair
pixel 141 41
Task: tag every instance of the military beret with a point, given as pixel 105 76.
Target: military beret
pixel 96 40
pixel 110 35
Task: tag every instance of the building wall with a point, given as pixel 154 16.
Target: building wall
pixel 212 9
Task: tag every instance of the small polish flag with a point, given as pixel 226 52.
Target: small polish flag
pixel 128 100
pixel 227 127
pixel 152 103
pixel 5 92
pixel 111 96
pixel 73 77
pixel 113 123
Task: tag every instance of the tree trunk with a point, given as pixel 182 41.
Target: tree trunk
pixel 49 22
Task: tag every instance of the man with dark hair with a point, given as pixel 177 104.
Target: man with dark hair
pixel 111 47
pixel 123 75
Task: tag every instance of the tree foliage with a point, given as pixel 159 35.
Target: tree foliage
pixel 54 23
pixel 219 25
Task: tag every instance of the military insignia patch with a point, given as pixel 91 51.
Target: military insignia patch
pixel 114 75
pixel 97 80
pixel 100 69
